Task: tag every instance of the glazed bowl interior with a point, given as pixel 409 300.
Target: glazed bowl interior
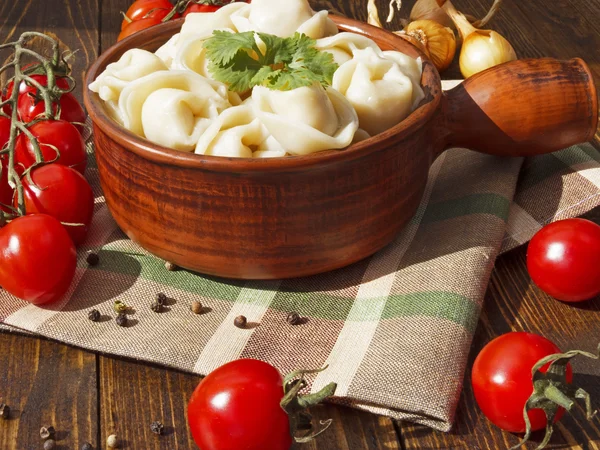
pixel 151 39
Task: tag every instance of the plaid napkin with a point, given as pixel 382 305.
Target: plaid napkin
pixel 394 329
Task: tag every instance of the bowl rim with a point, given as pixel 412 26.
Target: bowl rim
pixel 430 80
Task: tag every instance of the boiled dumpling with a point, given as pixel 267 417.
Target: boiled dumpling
pixel 378 89
pixel 306 119
pixel 176 118
pixel 237 132
pixel 194 98
pixel 413 69
pixel 134 64
pixel 198 25
pixel 283 19
pixel 343 45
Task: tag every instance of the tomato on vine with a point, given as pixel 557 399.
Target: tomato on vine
pixel 6 192
pixel 37 258
pixel 138 25
pixel 140 9
pixel 54 137
pixel 30 104
pixel 563 259
pixel 62 193
pixel 502 381
pixel 243 404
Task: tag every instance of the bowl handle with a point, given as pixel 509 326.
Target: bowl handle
pixel 522 108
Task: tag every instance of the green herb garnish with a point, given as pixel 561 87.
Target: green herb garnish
pixel 284 63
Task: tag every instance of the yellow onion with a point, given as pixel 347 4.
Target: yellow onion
pixel 429 10
pixel 438 40
pixel 481 49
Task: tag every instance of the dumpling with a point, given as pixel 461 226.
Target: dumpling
pixel 198 25
pixel 176 118
pixel 306 119
pixel 283 19
pixel 343 45
pixel 178 95
pixel 134 64
pixel 413 69
pixel 378 89
pixel 237 132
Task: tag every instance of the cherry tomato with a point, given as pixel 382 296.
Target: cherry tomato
pixel 6 192
pixel 37 258
pixel 236 407
pixel 195 8
pixel 30 105
pixel 62 193
pixel 502 383
pixel 58 133
pixel 138 25
pixel 147 8
pixel 563 259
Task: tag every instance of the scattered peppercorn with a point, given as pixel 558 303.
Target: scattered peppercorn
pixel 120 307
pixel 240 321
pixel 92 259
pixel 46 433
pixel 157 428
pixel 4 411
pixel 121 320
pixel 170 266
pixel 87 446
pixel 196 307
pixel 50 444
pixel 161 299
pixel 293 318
pixel 94 315
pixel 112 441
pixel 156 307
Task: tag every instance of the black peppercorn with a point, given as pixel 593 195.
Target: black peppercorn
pixel 156 307
pixel 157 428
pixel 170 266
pixel 4 411
pixel 121 320
pixel 92 259
pixel 87 446
pixel 46 433
pixel 161 298
pixel 293 318
pixel 94 315
pixel 240 321
pixel 49 444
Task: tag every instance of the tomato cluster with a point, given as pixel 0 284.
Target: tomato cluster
pixel 143 14
pixel 37 249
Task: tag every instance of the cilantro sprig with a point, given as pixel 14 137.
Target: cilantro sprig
pixel 238 60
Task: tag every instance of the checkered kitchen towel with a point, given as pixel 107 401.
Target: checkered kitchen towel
pixel 395 329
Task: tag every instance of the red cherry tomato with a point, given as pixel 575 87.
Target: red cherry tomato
pixel 53 133
pixel 138 25
pixel 502 383
pixel 6 192
pixel 30 105
pixel 195 8
pixel 147 8
pixel 237 407
pixel 37 258
pixel 563 259
pixel 62 193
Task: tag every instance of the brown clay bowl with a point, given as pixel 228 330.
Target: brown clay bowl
pixel 296 216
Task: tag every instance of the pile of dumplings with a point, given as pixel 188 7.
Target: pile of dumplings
pixel 169 97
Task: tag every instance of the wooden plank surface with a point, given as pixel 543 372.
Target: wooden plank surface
pixel 87 397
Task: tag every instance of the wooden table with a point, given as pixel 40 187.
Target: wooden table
pixel 86 396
